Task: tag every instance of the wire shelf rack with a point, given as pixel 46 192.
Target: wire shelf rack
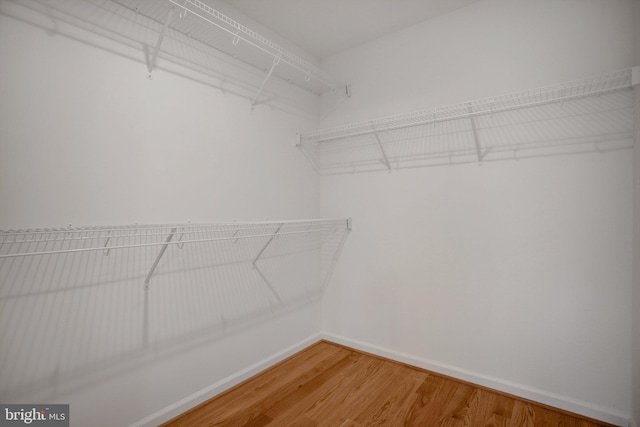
pixel 52 241
pixel 192 33
pixel 145 288
pixel 583 111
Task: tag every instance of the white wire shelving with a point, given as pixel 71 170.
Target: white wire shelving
pixel 587 111
pixel 57 242
pixel 54 241
pixel 192 33
pixel 34 262
pixel 141 287
pixel 207 25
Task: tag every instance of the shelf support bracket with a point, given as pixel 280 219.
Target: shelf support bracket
pixel 385 159
pixel 154 56
pixel 180 242
pixel 476 140
pixel 276 61
pixel 106 245
pixel 256 268
pixel 336 255
pixel 266 245
pixel 160 254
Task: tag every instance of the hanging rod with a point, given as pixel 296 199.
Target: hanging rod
pixel 289 227
pixel 593 86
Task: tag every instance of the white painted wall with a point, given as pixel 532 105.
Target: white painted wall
pixel 87 139
pixel 635 329
pixel 518 271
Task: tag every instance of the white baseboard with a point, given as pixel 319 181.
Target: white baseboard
pixel 198 397
pixel 547 398
pixel 551 399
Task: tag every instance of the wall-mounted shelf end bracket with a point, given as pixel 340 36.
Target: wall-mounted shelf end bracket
pixel 160 254
pixel 275 63
pixel 264 248
pixel 476 139
pixel 385 159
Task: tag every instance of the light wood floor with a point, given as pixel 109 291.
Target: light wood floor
pixel 330 385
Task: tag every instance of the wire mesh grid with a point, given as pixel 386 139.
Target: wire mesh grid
pixel 17 243
pixel 190 33
pixel 243 43
pixel 66 313
pixel 203 24
pixel 597 110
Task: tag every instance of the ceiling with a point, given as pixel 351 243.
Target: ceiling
pixel 325 27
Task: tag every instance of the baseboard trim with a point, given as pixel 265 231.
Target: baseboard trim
pixel 544 397
pixel 198 397
pixel 551 399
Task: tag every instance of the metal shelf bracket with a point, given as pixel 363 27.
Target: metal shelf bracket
pixel 264 248
pixel 385 159
pixel 275 63
pixel 406 138
pixel 476 140
pixel 160 254
pixel 106 245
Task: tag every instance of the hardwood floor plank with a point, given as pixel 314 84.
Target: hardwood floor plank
pixel 301 422
pixel 272 405
pixel 300 402
pixel 357 405
pixel 395 397
pixel 329 385
pixel 368 371
pixel 439 401
pixel 343 393
pixel 297 397
pixel 499 410
pixel 349 423
pixel 356 401
pixel 252 392
pixel 523 415
pixel 350 388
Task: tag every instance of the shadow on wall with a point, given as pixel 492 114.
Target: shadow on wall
pixel 71 314
pixel 122 28
pixel 589 124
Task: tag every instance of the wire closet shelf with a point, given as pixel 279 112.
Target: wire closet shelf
pixel 201 22
pixel 457 130
pixel 142 287
pixel 52 241
pixel 192 34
